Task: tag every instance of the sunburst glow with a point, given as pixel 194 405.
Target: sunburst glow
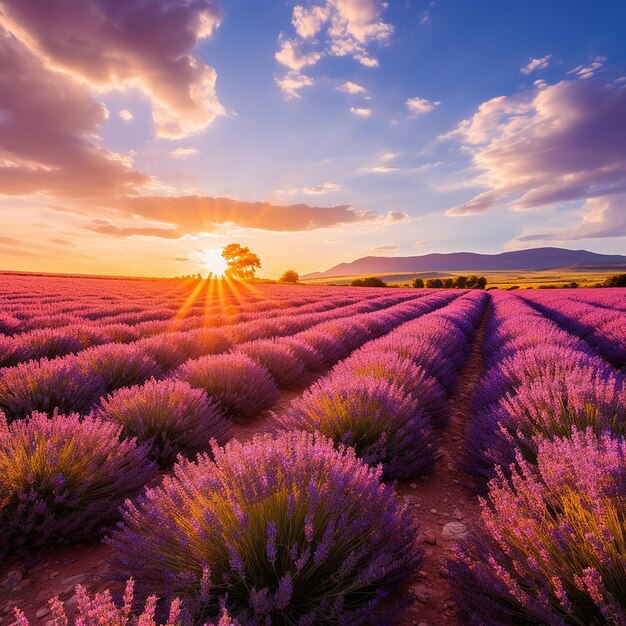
pixel 214 262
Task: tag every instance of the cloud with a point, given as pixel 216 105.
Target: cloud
pixel 105 227
pixel 175 216
pixel 335 28
pixel 397 216
pixel 536 64
pixel 560 144
pixel 126 115
pixel 308 22
pixel 421 244
pixel 588 71
pixel 418 106
pixel 183 153
pixel 47 132
pixel 292 82
pixel 351 88
pixel 390 156
pixel 290 55
pixel 326 187
pixel 182 259
pixel 139 44
pixel 384 169
pixel 361 111
pixel 386 248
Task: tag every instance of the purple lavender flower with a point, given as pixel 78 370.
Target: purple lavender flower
pixel 169 415
pixel 156 543
pixel 242 387
pixel 551 544
pixel 63 478
pixel 377 418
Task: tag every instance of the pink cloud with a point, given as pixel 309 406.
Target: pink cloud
pixel 552 144
pixel 46 132
pixel 182 215
pixel 115 43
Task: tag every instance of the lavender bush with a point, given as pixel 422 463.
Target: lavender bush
pixel 550 407
pixel 243 388
pixel 101 610
pixel 169 416
pixel 280 360
pixel 62 479
pixel 172 349
pixel 47 386
pixel 282 531
pixel 377 418
pixel 411 378
pixel 552 548
pixel 119 364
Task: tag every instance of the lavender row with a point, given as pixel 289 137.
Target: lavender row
pixel 548 428
pixel 604 328
pixel 55 342
pixel 74 382
pixel 389 397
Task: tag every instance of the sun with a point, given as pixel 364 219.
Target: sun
pixel 214 262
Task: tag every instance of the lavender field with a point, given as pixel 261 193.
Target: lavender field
pixel 216 452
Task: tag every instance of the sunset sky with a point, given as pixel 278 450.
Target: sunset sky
pixel 136 135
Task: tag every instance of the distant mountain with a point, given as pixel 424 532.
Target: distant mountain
pixel 531 259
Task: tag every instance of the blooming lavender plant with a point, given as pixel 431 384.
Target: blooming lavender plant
pixel 550 407
pixel 47 386
pixel 119 364
pixel 280 360
pixel 283 530
pixel 168 415
pixel 242 387
pixel 170 350
pixel 383 423
pixel 411 378
pixel 62 479
pixel 552 547
pixel 101 610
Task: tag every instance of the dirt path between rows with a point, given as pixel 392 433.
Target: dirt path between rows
pixel 444 500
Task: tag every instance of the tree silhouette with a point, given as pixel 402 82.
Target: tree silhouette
pixel 241 263
pixel 290 276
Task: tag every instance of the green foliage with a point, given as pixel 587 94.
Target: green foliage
pixel 418 283
pixel 242 263
pixel 434 283
pixel 290 276
pixel 370 281
pixel 460 282
pixel 618 280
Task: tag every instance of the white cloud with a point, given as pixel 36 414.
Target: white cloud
pixel 555 145
pixel 183 153
pixel 587 71
pixel 336 28
pixel 126 115
pixel 536 64
pixel 326 187
pixel 361 111
pixel 384 169
pixel 417 106
pixel 290 55
pixel 390 156
pixel 292 82
pixel 308 22
pixel 352 88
